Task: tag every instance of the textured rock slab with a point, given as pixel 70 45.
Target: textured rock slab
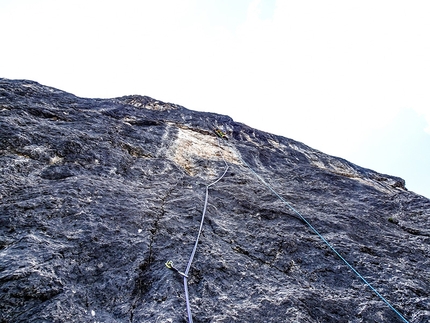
pixel 96 195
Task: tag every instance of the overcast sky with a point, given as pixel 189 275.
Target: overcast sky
pixel 349 78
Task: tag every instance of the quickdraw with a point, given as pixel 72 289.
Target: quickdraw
pixel 169 264
pixel 221 134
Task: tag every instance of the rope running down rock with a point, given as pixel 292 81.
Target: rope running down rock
pixel 321 237
pixel 169 264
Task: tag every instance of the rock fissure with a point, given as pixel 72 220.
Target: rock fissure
pixel 155 226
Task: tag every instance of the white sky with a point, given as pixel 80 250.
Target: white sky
pixel 350 78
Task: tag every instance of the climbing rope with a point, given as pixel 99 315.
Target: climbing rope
pixel 169 264
pixel 321 237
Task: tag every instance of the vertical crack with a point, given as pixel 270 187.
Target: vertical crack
pixel 143 282
pixel 155 224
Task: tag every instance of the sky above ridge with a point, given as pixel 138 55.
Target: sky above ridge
pixel 349 78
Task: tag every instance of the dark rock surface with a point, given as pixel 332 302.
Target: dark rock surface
pixel 97 194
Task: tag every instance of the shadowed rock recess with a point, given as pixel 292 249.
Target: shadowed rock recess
pixel 97 194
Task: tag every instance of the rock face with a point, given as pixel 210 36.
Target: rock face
pixel 97 194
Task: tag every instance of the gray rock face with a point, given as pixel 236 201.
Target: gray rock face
pixel 97 194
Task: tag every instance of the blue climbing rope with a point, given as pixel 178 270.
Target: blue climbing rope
pixel 322 238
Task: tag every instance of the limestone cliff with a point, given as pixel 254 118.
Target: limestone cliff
pixel 97 194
